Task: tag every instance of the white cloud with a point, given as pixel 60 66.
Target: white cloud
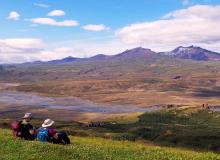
pixel 56 13
pixel 96 27
pixel 19 49
pixel 41 5
pixel 13 15
pixel 52 22
pixel 195 25
pixel 23 50
pixel 21 43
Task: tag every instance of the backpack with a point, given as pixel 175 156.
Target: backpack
pixel 16 126
pixel 43 135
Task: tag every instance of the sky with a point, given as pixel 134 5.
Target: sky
pixel 32 30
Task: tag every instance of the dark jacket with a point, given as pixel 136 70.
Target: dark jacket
pixel 25 130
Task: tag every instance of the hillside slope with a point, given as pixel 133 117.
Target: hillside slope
pixel 92 149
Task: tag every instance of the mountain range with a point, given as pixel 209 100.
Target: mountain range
pixel 136 62
pixel 191 53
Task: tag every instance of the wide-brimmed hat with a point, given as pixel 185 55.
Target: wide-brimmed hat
pixel 47 123
pixel 27 115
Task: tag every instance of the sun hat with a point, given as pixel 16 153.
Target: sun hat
pixel 27 115
pixel 47 123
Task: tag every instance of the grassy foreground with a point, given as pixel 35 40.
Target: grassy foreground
pixel 92 148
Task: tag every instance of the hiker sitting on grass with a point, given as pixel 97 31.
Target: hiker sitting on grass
pixel 47 134
pixel 24 129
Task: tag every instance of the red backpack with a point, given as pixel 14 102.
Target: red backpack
pixel 15 126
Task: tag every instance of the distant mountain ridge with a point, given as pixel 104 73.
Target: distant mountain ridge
pixel 136 62
pixel 64 60
pixel 191 53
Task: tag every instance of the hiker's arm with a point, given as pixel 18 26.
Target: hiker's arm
pixel 32 130
pixel 55 136
pixel 53 133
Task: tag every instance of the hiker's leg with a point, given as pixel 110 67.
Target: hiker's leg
pixel 54 141
pixel 63 137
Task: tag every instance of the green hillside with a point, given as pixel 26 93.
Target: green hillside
pixel 92 148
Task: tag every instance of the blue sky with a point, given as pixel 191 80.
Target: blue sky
pixel 48 29
pixel 112 13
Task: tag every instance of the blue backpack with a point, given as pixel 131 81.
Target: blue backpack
pixel 43 135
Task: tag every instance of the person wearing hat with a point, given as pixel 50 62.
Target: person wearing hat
pixel 26 129
pixel 48 134
pixel 52 133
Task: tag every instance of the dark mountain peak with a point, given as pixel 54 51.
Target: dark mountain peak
pixel 69 59
pixel 99 57
pixel 136 52
pixel 64 60
pixel 139 50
